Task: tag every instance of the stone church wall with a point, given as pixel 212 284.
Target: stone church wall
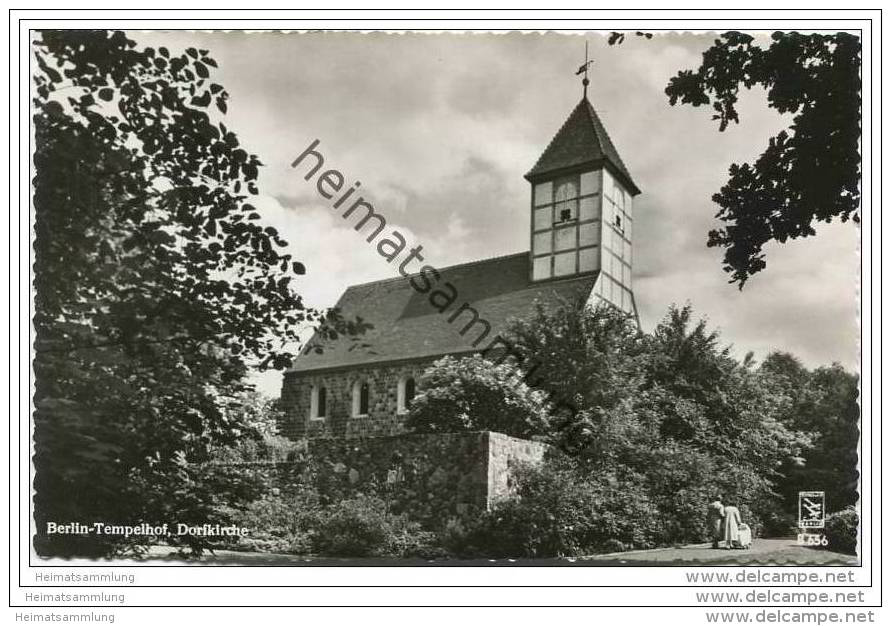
pixel 382 418
pixel 432 477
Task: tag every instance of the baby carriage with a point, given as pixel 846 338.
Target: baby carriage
pixel 745 537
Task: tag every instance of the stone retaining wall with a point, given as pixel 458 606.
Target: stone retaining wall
pixel 432 478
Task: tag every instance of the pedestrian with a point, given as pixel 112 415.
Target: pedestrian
pixel 714 520
pixel 730 526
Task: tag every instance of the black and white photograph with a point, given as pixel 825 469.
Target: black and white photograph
pixel 519 298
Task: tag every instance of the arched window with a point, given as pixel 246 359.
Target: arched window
pixel 409 392
pixel 318 402
pixel 405 393
pixel 361 395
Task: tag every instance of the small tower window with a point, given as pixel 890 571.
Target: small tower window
pixel 318 402
pixel 360 398
pixel 619 222
pixel 566 198
pixel 405 393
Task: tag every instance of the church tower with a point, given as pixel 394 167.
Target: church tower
pixel 581 216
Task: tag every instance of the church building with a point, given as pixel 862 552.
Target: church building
pixel 580 233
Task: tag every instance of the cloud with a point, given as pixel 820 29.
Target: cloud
pixel 440 129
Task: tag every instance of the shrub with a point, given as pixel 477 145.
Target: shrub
pixel 223 491
pixel 267 448
pixel 779 523
pixel 362 527
pixel 680 482
pixel 279 449
pixel 280 523
pixel 407 540
pixel 560 510
pixel 841 530
pixel 475 394
pixel 355 527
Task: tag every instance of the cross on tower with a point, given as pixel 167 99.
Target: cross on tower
pixel 583 69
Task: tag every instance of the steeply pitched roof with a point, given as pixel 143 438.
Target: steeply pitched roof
pixel 406 325
pixel 582 139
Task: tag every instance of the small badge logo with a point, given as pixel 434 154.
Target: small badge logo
pixel 811 509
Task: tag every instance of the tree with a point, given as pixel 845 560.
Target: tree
pixel 809 172
pixel 672 407
pixel 582 357
pixel 157 284
pixel 822 402
pixel 473 394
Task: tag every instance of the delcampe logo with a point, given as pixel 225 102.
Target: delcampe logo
pixel 811 509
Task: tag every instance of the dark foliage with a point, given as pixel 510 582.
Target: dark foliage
pixel 559 510
pixel 156 283
pixel 841 530
pixel 669 419
pixel 809 172
pixel 279 521
pixel 616 38
pixel 362 527
pixel 823 402
pixel 475 394
pixel 672 407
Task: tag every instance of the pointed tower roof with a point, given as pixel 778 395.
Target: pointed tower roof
pixel 582 140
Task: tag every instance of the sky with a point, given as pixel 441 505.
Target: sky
pixel 440 128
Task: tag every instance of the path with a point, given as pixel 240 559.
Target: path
pixel 762 552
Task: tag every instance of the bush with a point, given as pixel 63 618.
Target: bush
pixel 355 527
pixel 560 510
pixel 217 494
pixel 280 523
pixel 841 530
pixel 267 448
pixel 297 522
pixel 779 523
pixel 475 394
pixel 362 527
pixel 680 482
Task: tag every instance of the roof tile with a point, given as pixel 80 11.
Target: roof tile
pixel 581 139
pixel 405 325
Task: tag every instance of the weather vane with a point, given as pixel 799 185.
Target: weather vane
pixel 583 69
